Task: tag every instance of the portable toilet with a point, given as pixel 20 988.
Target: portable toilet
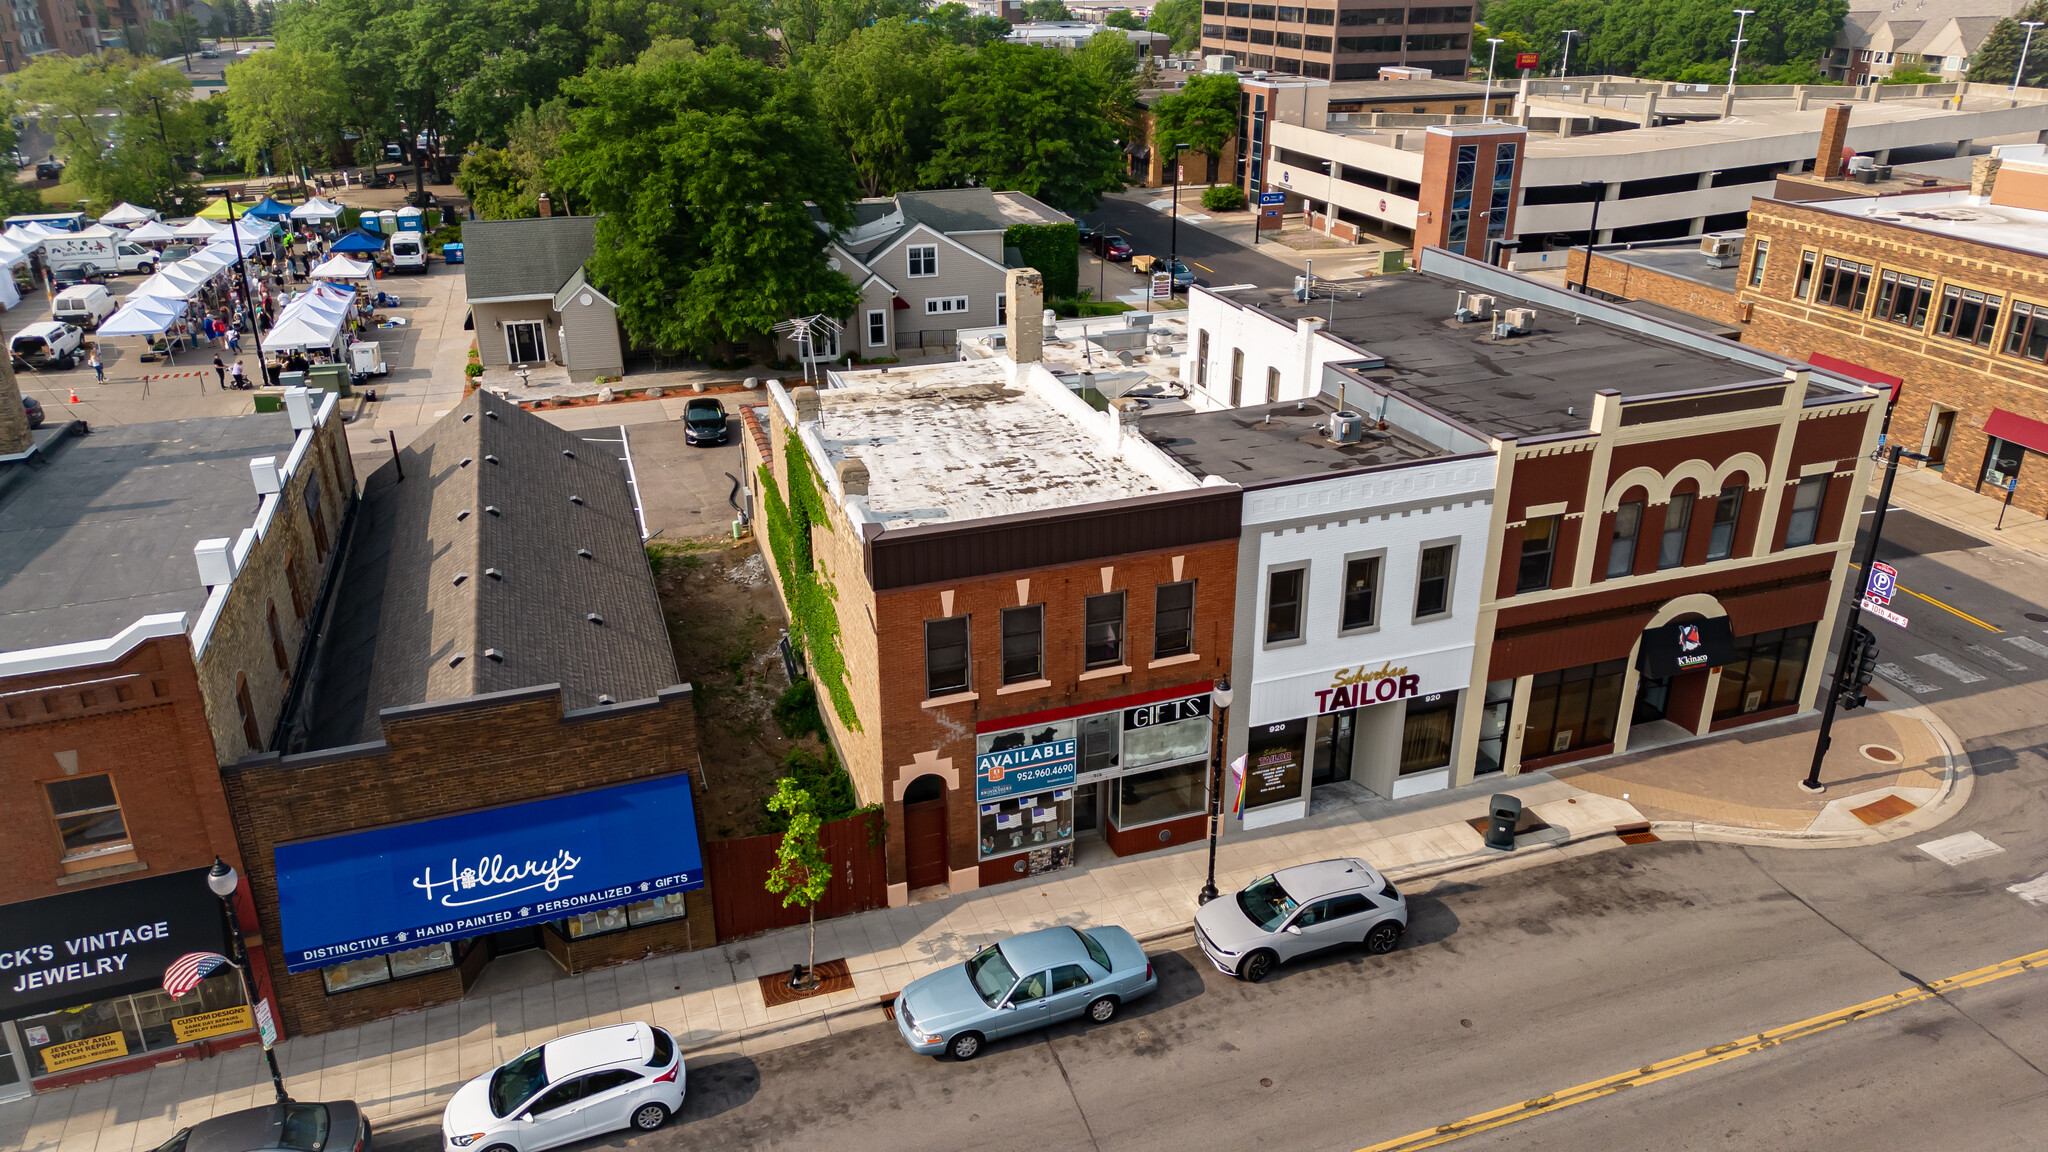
pixel 368 222
pixel 387 221
pixel 411 219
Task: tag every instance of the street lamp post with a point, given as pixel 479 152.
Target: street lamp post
pixel 1840 684
pixel 1219 714
pixel 223 880
pixel 1565 70
pixel 248 293
pixel 1742 16
pixel 1592 230
pixel 1173 231
pixel 1492 50
pixel 2021 71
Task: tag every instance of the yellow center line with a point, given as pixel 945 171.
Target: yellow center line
pixel 1706 1057
pixel 1203 267
pixel 1949 608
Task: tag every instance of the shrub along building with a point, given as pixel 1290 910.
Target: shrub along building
pixel 154 601
pixel 1013 609
pixel 493 755
pixel 1663 564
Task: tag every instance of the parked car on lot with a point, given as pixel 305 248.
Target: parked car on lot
pixel 48 344
pixel 1022 983
pixel 1300 910
pixel 85 305
pixel 336 1126
pixel 49 169
pixel 704 421
pixel 572 1087
pixel 1110 246
pixel 34 408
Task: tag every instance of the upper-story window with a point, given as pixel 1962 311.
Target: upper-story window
pixel 1727 513
pixel 1173 620
pixel 2028 336
pixel 1843 284
pixel 1433 580
pixel 1804 526
pixel 1284 607
pixel 1756 261
pixel 1807 261
pixel 1105 630
pixel 924 259
pixel 1024 644
pixel 1361 607
pixel 1968 315
pixel 1903 299
pixel 1539 549
pixel 1621 547
pixel 945 656
pixel 1677 521
pixel 88 815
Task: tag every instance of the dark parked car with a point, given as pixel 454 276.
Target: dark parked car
pixel 1110 246
pixel 51 169
pixel 336 1126
pixel 704 421
pixel 34 408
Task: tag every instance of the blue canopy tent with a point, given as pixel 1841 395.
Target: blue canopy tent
pixel 358 241
pixel 270 210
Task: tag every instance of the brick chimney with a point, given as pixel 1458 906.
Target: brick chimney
pixel 1834 136
pixel 1026 335
pixel 547 209
pixel 14 436
pixel 1983 175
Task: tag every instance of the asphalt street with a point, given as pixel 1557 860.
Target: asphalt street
pixel 1214 259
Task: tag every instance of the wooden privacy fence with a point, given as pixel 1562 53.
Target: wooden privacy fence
pixel 739 876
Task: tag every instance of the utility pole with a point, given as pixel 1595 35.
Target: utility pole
pixel 1742 16
pixel 1839 684
pixel 1565 70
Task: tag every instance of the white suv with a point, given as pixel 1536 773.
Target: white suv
pixel 572 1087
pixel 1300 910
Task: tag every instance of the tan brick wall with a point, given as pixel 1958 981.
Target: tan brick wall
pixel 1938 372
pixel 1631 282
pixel 493 750
pixel 239 643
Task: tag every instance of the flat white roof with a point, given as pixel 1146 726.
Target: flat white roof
pixel 1952 213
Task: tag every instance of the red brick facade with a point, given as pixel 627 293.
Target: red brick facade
pixel 1628 281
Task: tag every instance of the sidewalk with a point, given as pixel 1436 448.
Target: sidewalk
pixel 1924 492
pixel 1296 244
pixel 1738 786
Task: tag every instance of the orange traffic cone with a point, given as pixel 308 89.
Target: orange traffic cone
pixel 74 394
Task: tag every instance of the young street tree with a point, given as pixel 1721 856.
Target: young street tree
pixel 801 874
pixel 701 165
pixel 1202 115
pixel 1021 118
pixel 285 102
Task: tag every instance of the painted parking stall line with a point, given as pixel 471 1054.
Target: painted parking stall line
pixel 1943 664
pixel 1961 848
pixel 1906 680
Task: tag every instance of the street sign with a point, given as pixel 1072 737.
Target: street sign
pixel 1884 582
pixel 265 1026
pixel 1272 197
pixel 1162 286
pixel 1883 613
pixel 1527 60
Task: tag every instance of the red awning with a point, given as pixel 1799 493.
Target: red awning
pixel 900 305
pixel 2017 429
pixel 1857 372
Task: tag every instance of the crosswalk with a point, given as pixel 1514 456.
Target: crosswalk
pixel 1929 673
pixel 1964 847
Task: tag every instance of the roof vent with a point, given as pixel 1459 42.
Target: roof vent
pixel 575 499
pixel 494 574
pixel 569 454
pixel 468 416
pixel 459 577
pixel 458 658
pixel 583 552
pixel 490 459
pixel 594 618
pixel 466 462
pixel 494 655
pixel 492 509
pixel 603 699
pixel 462 515
pixel 492 415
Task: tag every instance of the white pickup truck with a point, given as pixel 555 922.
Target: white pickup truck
pixel 86 255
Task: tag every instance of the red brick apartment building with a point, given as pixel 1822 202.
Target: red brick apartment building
pixel 1029 605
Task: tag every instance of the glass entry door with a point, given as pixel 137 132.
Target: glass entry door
pixel 13 1069
pixel 1653 698
pixel 524 342
pixel 1333 747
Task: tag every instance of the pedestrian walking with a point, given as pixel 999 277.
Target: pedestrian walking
pixel 220 369
pixel 235 341
pixel 99 370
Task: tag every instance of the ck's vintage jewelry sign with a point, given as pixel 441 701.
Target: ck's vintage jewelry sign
pixel 63 951
pixel 405 886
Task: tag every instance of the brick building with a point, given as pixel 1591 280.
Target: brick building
pixel 1339 41
pixel 156 591
pixel 492 697
pixel 1027 606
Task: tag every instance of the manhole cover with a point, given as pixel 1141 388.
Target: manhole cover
pixel 2036 617
pixel 1881 754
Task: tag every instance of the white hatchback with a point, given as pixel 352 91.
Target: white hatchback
pixel 572 1087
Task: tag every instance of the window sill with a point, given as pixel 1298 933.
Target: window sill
pixel 1170 661
pixel 1106 673
pixel 1023 686
pixel 955 698
pixel 101 873
pixel 98 860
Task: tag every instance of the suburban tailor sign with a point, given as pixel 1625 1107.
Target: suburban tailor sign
pixel 1357 687
pixel 1364 681
pixel 1028 769
pixel 409 885
pixel 63 951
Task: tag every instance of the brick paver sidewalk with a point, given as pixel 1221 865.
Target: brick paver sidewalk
pixel 402 1070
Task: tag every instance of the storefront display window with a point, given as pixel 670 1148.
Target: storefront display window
pixel 1426 732
pixel 1022 823
pixel 620 918
pixel 131 1025
pixel 1766 671
pixel 1025 799
pixel 1162 794
pixel 1178 740
pixel 396 966
pixel 1573 708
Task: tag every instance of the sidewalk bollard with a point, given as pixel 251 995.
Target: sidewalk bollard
pixel 1506 812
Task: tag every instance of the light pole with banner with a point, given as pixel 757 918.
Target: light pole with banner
pixel 1173 231
pixel 223 880
pixel 1219 712
pixel 2026 46
pixel 248 292
pixel 1564 70
pixel 1492 49
pixel 1742 16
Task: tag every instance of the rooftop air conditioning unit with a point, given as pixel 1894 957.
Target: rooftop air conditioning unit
pixel 1473 306
pixel 1859 163
pixel 1347 427
pixel 1722 251
pixel 1516 322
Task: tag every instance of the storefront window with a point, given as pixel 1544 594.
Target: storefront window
pixel 1765 672
pixel 620 918
pixel 2002 459
pixel 1021 823
pixel 1160 743
pixel 1162 794
pixel 397 966
pixel 1426 733
pixel 1026 801
pixel 1573 708
pixel 130 1025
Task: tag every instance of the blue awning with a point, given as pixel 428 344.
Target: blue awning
pixel 357 241
pixel 409 885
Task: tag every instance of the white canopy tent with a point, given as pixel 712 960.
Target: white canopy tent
pixel 33 234
pixel 314 320
pixel 199 228
pixel 149 316
pixel 316 209
pixel 338 267
pixel 126 214
pixel 153 232
pixel 12 253
pixel 162 287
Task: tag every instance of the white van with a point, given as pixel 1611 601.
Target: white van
pixel 408 252
pixel 85 305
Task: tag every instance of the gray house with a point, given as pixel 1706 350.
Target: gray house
pixel 927 264
pixel 529 299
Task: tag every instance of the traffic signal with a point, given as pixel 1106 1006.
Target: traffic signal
pixel 1859 665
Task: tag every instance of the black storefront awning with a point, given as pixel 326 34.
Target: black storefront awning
pixel 1685 646
pixel 63 951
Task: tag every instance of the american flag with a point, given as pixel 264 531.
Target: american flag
pixel 188 970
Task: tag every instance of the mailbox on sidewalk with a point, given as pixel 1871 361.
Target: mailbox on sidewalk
pixel 1506 812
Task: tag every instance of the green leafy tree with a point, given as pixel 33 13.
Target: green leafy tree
pixel 1046 10
pixel 507 183
pixel 1180 19
pixel 1111 68
pixel 1019 117
pixel 801 875
pixel 1912 74
pixel 133 154
pixel 284 103
pixel 879 92
pixel 702 165
pixel 1124 18
pixel 957 23
pixel 1998 57
pixel 492 185
pixel 1202 115
pixel 1663 39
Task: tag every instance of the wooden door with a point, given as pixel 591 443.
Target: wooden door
pixel 924 842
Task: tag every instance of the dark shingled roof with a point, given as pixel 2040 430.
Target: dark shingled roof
pixel 474 552
pixel 532 257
